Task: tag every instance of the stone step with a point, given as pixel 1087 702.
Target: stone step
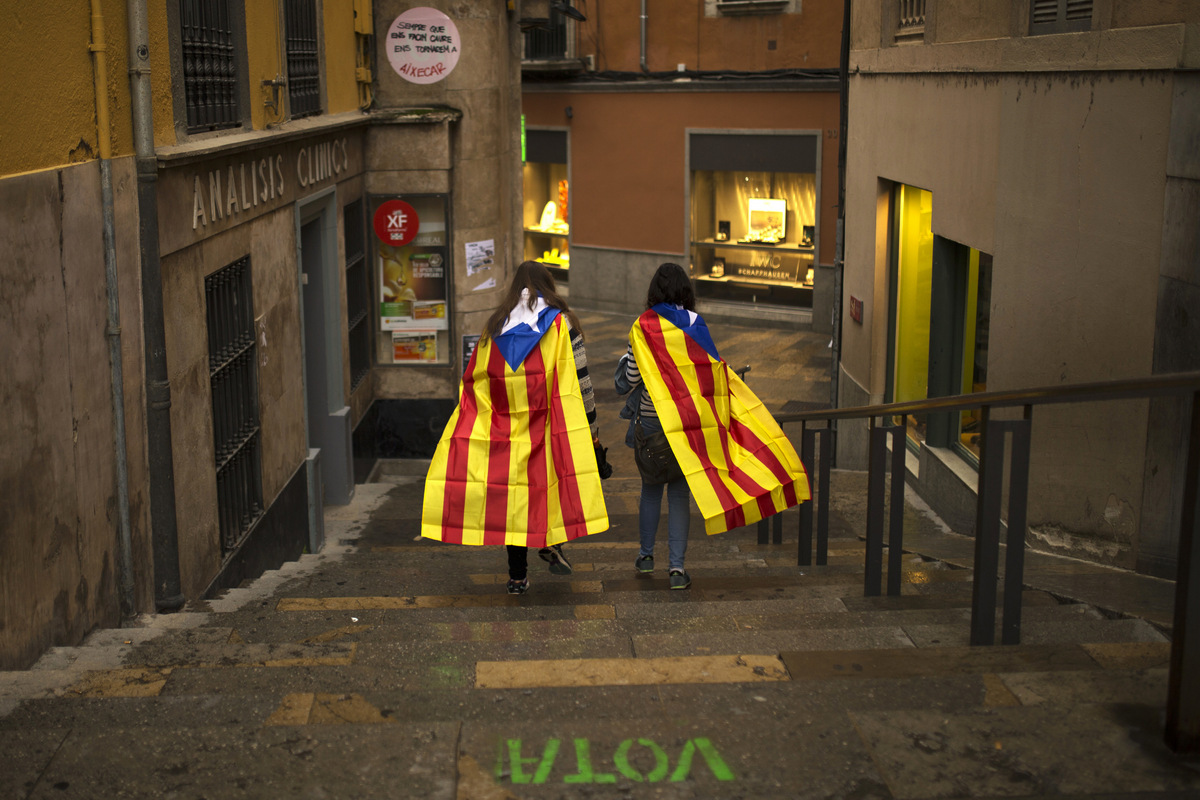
pixel 879 635
pixel 693 617
pixel 882 679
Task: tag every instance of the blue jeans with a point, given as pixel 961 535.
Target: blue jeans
pixel 679 512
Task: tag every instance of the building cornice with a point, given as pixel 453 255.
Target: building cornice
pixel 1159 47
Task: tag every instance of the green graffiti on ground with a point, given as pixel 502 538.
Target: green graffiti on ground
pixel 538 769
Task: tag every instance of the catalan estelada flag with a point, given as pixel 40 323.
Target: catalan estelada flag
pixel 516 464
pixel 738 463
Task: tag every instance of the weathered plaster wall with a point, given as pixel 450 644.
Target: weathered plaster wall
pixel 270 242
pixel 58 497
pixel 1061 178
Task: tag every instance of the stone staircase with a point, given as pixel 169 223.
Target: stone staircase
pixel 391 667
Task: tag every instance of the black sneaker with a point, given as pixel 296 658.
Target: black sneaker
pixel 644 563
pixel 558 560
pixel 680 579
pixel 518 587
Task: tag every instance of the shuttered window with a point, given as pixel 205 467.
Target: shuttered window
pixel 1060 16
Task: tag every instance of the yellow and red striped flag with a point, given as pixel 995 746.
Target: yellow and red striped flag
pixel 515 464
pixel 738 463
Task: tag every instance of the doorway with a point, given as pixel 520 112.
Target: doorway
pixel 327 414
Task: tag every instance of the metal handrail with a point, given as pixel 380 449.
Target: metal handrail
pixel 1182 730
pixel 1133 388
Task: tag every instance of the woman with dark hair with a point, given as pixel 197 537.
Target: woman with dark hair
pixel 520 460
pixel 694 425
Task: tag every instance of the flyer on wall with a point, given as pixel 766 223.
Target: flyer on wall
pixel 414 346
pixel 413 263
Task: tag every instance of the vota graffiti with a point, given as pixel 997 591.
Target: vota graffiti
pixel 512 765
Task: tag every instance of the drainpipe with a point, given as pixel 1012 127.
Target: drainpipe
pixel 113 327
pixel 643 62
pixel 168 595
pixel 839 254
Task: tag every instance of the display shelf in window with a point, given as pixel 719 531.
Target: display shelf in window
pixel 547 231
pixel 753 236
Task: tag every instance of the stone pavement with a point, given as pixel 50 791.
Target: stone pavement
pixel 390 667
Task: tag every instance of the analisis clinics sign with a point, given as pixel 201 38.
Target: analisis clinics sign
pixel 422 45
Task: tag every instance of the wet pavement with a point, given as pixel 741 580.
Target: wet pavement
pixel 391 667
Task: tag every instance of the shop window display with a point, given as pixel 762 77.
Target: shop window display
pixel 753 236
pixel 547 230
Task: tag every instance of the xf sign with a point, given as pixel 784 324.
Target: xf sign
pixel 396 223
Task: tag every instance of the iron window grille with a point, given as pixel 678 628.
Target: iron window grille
pixel 358 294
pixel 911 27
pixel 304 90
pixel 234 382
pixel 209 68
pixel 1060 16
pixel 550 42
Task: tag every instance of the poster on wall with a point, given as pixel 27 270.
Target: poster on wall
pixel 480 255
pixel 423 45
pixel 410 346
pixel 413 263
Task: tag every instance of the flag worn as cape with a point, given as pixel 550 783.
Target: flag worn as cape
pixel 515 464
pixel 738 463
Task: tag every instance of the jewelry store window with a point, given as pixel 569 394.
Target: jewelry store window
pixel 546 206
pixel 753 216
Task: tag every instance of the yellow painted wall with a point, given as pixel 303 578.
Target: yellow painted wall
pixel 264 22
pixel 915 243
pixel 46 81
pixel 340 87
pixel 46 77
pixel 160 74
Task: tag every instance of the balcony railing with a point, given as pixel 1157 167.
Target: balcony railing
pixel 1183 702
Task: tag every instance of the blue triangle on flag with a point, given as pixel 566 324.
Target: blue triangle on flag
pixel 517 342
pixel 680 318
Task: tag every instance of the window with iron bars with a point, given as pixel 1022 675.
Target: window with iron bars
pixel 911 25
pixel 1059 16
pixel 304 89
pixel 209 67
pixel 550 42
pixel 234 381
pixel 358 293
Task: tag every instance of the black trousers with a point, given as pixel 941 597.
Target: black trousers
pixel 518 562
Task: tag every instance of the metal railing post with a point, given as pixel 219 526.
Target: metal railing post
pixel 804 548
pixel 873 566
pixel 816 448
pixel 899 434
pixel 825 454
pixel 1018 502
pixel 987 531
pixel 1183 690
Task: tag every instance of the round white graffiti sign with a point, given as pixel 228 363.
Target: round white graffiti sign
pixel 422 45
